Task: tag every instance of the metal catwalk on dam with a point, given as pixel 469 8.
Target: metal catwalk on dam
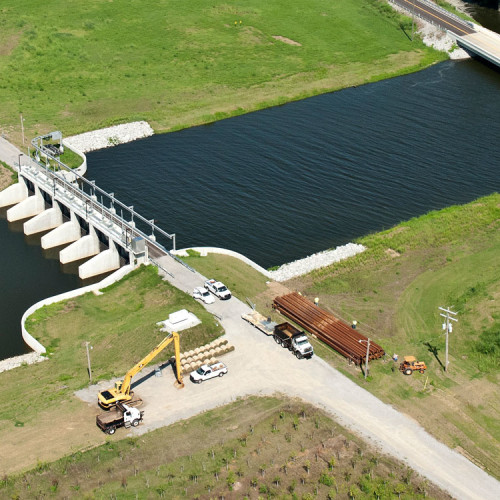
pixel 74 211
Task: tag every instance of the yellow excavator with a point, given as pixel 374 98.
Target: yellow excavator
pixel 121 391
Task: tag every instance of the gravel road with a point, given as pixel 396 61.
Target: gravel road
pixel 257 366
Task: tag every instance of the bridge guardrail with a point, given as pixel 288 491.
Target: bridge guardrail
pixel 108 203
pixel 436 7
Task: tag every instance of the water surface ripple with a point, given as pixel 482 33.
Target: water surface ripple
pixel 283 183
pixel 280 184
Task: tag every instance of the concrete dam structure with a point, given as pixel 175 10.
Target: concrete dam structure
pixel 74 213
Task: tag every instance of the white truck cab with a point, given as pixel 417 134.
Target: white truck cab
pixel 218 289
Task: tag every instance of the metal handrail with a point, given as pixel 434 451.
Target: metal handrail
pixel 91 198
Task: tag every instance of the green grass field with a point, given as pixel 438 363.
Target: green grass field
pixel 121 327
pixel 393 289
pixel 243 281
pixel 91 64
pixel 317 459
pixel 445 258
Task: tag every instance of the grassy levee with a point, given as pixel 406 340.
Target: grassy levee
pixel 243 281
pixel 445 258
pixel 177 64
pixel 393 289
pixel 253 448
pixel 121 327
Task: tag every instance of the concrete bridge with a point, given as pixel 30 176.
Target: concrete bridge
pixel 475 39
pixel 73 212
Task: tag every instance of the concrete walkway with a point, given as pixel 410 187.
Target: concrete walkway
pixel 258 366
pixel 9 153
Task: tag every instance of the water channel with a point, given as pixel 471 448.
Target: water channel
pixel 286 182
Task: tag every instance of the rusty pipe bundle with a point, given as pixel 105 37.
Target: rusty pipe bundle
pixel 329 329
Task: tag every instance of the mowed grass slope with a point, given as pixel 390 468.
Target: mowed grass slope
pixel 38 400
pixel 82 65
pixel 445 258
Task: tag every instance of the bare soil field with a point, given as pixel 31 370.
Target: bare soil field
pixel 254 448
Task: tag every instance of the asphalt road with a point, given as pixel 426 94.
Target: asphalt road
pixel 435 16
pixel 258 366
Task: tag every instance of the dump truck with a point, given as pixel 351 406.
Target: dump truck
pixel 121 416
pixel 410 364
pixel 286 335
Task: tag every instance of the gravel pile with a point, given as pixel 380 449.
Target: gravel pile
pixel 111 136
pixel 28 359
pixel 315 261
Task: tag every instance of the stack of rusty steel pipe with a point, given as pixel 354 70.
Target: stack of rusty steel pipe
pixel 329 329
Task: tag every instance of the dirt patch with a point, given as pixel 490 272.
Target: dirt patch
pixel 9 45
pixel 70 428
pixel 392 253
pixel 5 177
pixel 284 39
pixel 265 299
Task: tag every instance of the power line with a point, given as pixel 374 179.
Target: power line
pixel 447 326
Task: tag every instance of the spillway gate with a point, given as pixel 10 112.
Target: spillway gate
pixel 76 213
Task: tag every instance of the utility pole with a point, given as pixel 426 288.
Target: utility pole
pixel 367 354
pixel 412 20
pixel 88 361
pixel 22 126
pixel 447 326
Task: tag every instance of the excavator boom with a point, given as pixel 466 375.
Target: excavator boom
pixel 121 392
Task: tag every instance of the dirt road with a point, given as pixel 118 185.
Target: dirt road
pixel 259 366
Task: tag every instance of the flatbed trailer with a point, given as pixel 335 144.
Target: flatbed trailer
pixel 260 322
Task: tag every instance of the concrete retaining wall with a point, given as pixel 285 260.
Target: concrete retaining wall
pixel 30 340
pixel 13 194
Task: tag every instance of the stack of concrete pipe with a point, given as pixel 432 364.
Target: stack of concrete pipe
pixel 204 355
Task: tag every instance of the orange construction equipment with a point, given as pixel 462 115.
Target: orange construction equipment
pixel 410 364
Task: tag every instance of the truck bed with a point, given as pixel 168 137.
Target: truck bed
pixel 286 331
pixel 260 322
pixel 109 417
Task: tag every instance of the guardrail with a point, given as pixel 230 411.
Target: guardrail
pixel 435 7
pixel 88 192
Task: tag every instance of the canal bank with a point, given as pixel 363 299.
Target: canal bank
pixel 287 182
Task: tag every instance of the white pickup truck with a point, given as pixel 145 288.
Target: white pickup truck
pixel 206 372
pixel 218 289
